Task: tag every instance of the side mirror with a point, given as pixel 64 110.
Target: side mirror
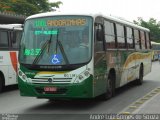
pixel 99 35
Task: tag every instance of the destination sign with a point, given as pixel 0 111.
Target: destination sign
pixel 45 32
pixel 61 22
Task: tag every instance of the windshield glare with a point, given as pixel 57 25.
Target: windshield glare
pixel 56 40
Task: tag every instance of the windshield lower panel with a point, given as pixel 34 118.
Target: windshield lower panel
pixel 56 41
pixel 53 67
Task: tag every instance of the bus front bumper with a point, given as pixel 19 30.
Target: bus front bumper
pixel 63 91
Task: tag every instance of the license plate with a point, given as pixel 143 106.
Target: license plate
pixel 50 89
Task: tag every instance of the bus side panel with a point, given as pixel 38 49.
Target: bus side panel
pixel 121 63
pixel 13 67
pixel 147 63
pixel 130 65
pixel 143 58
pixel 4 70
pixel 8 65
pixel 100 73
pixel 113 58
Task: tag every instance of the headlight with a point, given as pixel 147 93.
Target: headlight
pixel 22 76
pixel 84 75
pixel 80 77
pixel 20 73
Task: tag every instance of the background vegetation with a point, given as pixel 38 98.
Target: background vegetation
pixel 151 24
pixel 27 7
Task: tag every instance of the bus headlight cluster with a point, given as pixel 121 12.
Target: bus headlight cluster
pixel 84 75
pixel 22 76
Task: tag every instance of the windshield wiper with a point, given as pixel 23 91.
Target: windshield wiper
pixel 41 53
pixel 63 52
pixel 48 42
pixel 58 42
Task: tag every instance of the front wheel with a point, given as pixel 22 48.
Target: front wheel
pixel 110 87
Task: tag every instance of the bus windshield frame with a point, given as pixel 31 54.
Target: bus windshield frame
pixel 53 41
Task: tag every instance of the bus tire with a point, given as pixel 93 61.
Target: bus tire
pixel 110 89
pixel 139 81
pixel 1 83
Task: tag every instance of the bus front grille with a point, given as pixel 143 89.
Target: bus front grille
pixel 52 81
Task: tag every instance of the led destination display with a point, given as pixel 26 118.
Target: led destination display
pixel 61 22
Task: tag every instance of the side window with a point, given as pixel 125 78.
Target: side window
pixel 16 36
pixel 147 40
pixel 99 43
pixel 137 39
pixel 4 39
pixel 109 34
pixel 120 36
pixel 142 36
pixel 130 39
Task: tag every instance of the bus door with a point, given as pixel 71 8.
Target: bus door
pixel 12 72
pixel 99 60
pixel 15 37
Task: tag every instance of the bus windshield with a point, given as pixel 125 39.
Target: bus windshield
pixel 58 40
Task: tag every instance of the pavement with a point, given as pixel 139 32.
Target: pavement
pixel 152 106
pixel 148 104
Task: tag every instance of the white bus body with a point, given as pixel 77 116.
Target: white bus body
pixel 10 35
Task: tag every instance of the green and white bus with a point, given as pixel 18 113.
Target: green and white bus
pixel 54 64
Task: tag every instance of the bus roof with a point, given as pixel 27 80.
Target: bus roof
pixel 11 26
pixel 112 18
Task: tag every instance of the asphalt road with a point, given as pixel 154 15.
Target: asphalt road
pixel 12 103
